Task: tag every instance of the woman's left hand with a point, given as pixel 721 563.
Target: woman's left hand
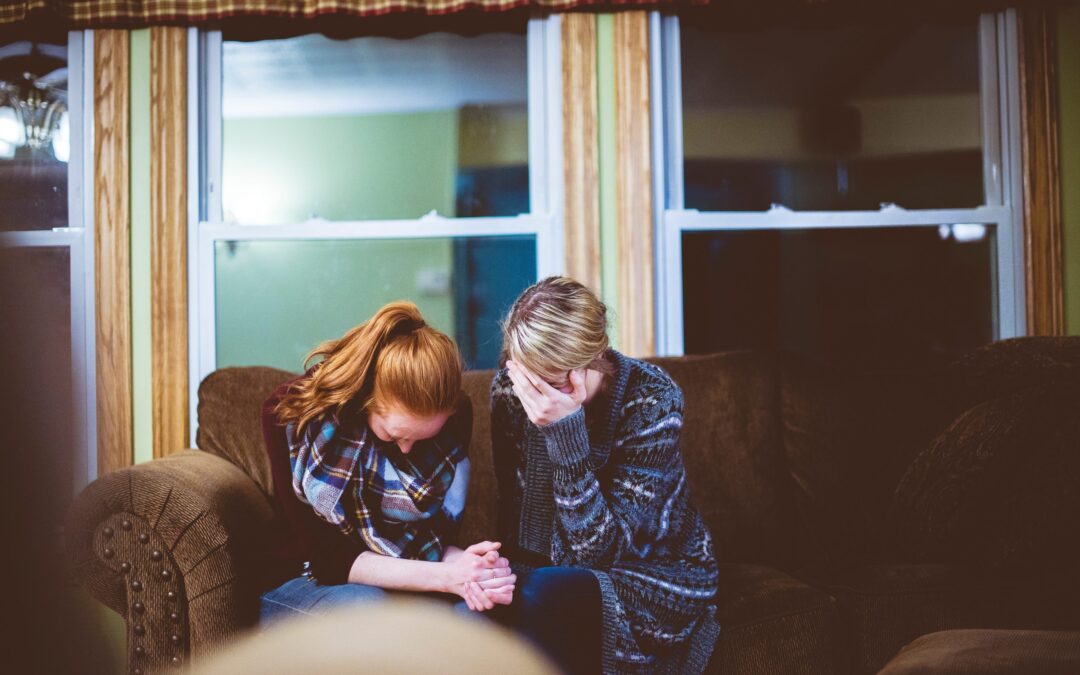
pixel 543 403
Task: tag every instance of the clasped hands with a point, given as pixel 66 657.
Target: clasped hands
pixel 544 403
pixel 481 576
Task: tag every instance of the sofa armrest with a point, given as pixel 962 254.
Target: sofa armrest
pixel 170 545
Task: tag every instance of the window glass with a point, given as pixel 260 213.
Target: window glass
pixel 374 128
pixel 276 300
pixel 34 136
pixel 824 118
pixel 897 294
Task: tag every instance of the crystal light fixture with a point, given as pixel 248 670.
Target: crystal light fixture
pixel 33 85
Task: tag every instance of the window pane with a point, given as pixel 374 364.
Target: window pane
pixel 905 294
pixel 276 300
pixel 832 118
pixel 36 306
pixel 375 128
pixel 34 141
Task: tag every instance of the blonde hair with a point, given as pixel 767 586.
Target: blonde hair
pixel 393 358
pixel 556 325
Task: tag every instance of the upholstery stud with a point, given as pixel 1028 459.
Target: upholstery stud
pixel 139 608
pixel 137 671
pixel 136 585
pixel 155 555
pixel 176 660
pixel 139 630
pixel 144 538
pixel 108 553
pixel 166 574
pixel 125 567
pixel 140 651
pixel 174 617
pixel 175 639
pixel 126 525
pixel 108 532
pixel 171 595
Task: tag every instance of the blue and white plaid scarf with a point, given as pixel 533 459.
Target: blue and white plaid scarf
pixel 401 505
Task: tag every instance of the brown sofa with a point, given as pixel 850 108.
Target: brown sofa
pixel 850 512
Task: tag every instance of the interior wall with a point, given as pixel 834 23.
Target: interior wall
pixel 276 300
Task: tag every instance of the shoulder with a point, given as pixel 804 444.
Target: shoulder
pixel 649 386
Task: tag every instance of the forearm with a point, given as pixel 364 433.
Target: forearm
pixel 583 510
pixel 400 574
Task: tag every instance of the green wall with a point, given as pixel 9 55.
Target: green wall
pixel 355 167
pixel 277 300
pixel 1069 119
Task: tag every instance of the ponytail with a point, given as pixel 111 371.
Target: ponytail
pixel 393 358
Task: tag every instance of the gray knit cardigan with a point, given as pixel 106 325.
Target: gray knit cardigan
pixel 610 495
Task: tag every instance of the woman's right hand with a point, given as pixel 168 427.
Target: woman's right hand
pixel 481 576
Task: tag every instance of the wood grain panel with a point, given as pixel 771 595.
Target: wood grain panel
pixel 1043 260
pixel 112 261
pixel 636 313
pixel 168 237
pixel 581 209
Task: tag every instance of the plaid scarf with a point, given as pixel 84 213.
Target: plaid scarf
pixel 400 505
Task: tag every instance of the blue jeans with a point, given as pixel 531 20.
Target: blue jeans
pixel 304 595
pixel 558 610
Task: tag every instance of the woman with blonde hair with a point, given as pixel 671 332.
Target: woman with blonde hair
pixel 368 452
pixel 615 567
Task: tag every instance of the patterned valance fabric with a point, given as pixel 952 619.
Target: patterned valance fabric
pixel 90 13
pixel 75 14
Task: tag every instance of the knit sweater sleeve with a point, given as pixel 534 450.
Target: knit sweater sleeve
pixel 609 515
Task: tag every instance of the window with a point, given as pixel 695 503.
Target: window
pixel 46 246
pixel 338 175
pixel 842 191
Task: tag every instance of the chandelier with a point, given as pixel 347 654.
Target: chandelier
pixel 33 97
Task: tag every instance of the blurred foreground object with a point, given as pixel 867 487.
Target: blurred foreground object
pixel 403 637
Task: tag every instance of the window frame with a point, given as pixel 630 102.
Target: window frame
pixel 78 239
pixel 206 225
pixel 1000 95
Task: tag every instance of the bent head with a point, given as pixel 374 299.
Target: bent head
pixel 401 372
pixel 557 325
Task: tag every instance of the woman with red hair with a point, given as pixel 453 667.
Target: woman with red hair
pixel 368 452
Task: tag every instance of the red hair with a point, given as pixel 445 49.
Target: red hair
pixel 394 358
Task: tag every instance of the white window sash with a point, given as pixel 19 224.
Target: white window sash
pixel 1001 147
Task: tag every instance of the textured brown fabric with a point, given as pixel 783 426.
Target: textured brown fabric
pixel 732 449
pixel 989 652
pixel 848 437
pixel 478 521
pixel 205 517
pixel 883 607
pixel 230 417
pixel 1007 366
pixel 773 623
pixel 1001 486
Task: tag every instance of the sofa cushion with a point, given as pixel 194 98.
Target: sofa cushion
pixel 1001 486
pixel 848 437
pixel 989 652
pixel 773 623
pixel 883 607
pixel 481 504
pixel 230 417
pixel 733 455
